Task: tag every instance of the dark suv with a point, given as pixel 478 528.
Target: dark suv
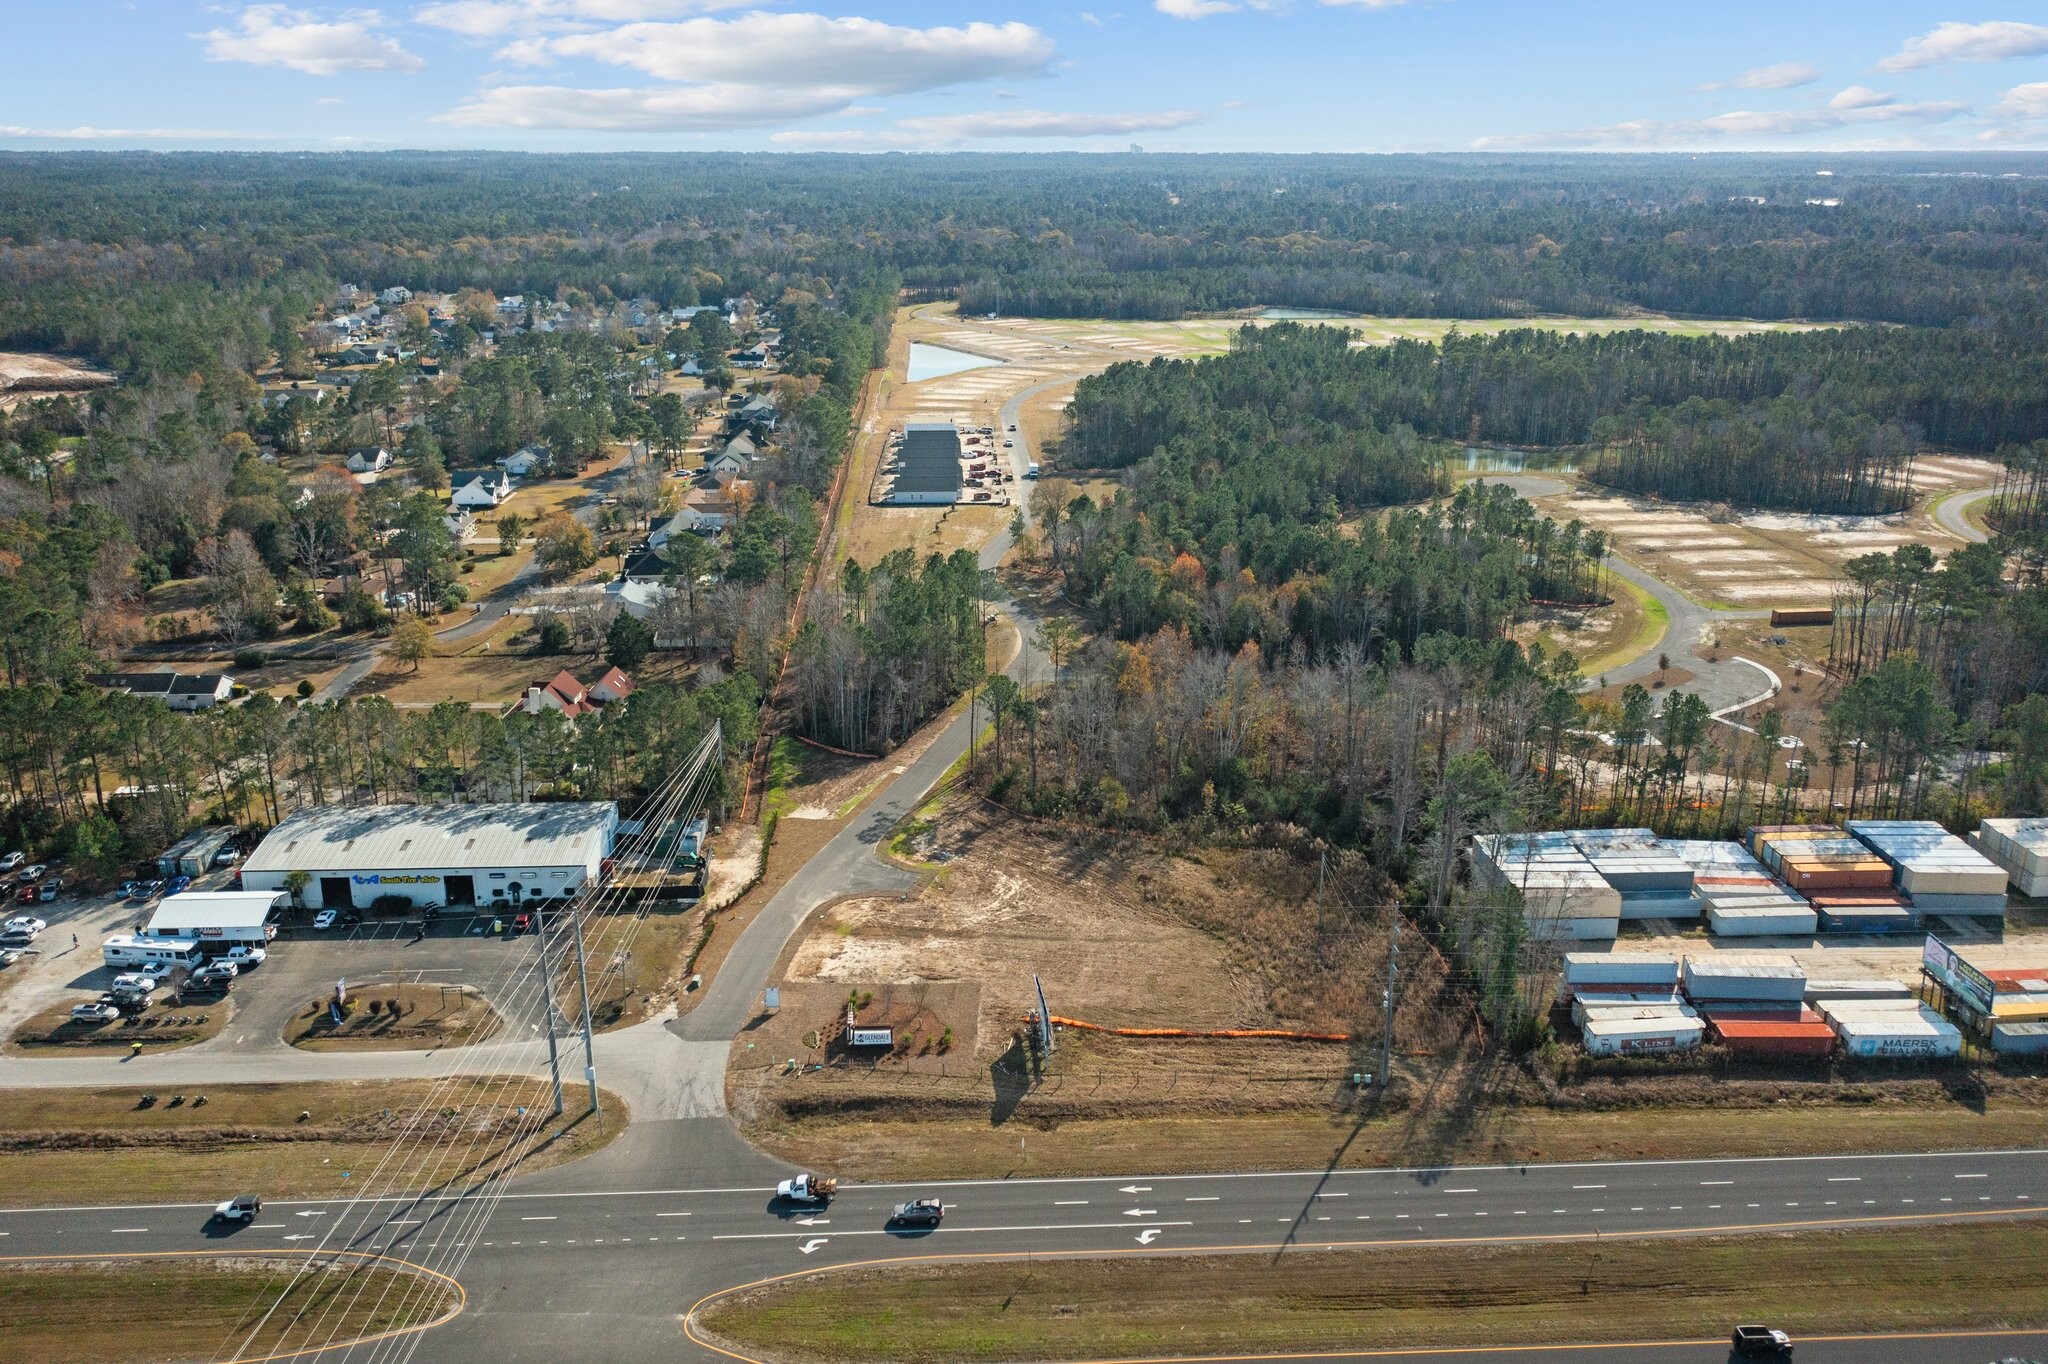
pixel 922 1212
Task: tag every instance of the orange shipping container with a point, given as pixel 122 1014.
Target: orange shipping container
pixel 1814 874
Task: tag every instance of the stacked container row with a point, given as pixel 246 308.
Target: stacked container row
pixel 2020 847
pixel 1877 1029
pixel 1749 916
pixel 1939 872
pixel 1710 979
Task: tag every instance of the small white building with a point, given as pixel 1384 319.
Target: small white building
pixel 179 691
pixel 218 919
pixel 523 462
pixel 484 491
pixel 395 296
pixel 485 855
pixel 369 459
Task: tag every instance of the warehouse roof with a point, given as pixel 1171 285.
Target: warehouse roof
pixel 214 909
pixel 406 837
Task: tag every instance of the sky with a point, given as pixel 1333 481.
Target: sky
pixel 1166 75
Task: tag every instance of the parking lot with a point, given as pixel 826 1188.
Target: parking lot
pixel 303 965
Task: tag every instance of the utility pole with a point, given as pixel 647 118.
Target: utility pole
pixel 583 976
pixel 1393 966
pixel 547 1004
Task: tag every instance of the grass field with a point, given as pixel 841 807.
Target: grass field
pixel 93 1145
pixel 428 1017
pixel 1982 1275
pixel 939 1145
pixel 162 1027
pixel 1648 619
pixel 138 1311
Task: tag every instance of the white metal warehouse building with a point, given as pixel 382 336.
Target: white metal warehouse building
pixel 218 918
pixel 483 855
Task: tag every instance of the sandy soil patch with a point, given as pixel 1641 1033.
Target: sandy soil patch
pixel 1806 589
pixel 1735 556
pixel 1704 542
pixel 25 375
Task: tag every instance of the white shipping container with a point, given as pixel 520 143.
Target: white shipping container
pixel 1846 990
pixel 1614 1037
pixel 1596 968
pixel 2019 1039
pixel 1924 1033
pixel 1587 1006
pixel 1979 876
pixel 1706 978
pixel 1755 917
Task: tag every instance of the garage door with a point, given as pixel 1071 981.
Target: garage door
pixel 334 892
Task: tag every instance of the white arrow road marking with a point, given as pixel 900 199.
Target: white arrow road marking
pixel 1141 1212
pixel 812 1244
pixel 1146 1237
pixel 299 1238
pixel 814 1221
pixel 1135 1188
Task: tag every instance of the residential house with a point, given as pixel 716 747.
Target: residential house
pixel 369 459
pixel 759 412
pixel 459 522
pixel 562 692
pixel 179 691
pixel 488 488
pixel 753 358
pixel 527 460
pixel 613 686
pixel 704 512
pixel 395 296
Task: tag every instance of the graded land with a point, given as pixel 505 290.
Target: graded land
pixel 1919 1279
pixel 122 1310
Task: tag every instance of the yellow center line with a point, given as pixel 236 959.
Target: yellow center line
pixel 1662 1233
pixel 364 1256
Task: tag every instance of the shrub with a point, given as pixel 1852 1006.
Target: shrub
pixel 305 687
pixel 376 1007
pixel 553 637
pixel 249 660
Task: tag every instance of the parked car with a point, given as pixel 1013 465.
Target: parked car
pixel 11 861
pixel 215 971
pixel 177 884
pixel 24 923
pixel 522 923
pixel 95 1012
pixel 228 856
pixel 1761 1340
pixel 9 955
pixel 29 893
pixel 51 890
pixel 326 919
pixel 920 1212
pixel 152 889
pixel 246 957
pixel 158 971
pixel 136 980
pixel 33 873
pixel 126 1001
pixel 240 1208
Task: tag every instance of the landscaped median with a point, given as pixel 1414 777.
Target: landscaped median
pixel 201 1144
pixel 1940 1277
pixel 127 1309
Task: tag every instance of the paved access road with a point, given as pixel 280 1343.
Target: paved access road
pixel 539 1262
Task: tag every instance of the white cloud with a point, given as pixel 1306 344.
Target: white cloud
pixel 90 134
pixel 273 35
pixel 1745 123
pixel 494 18
pixel 1194 9
pixel 770 68
pixel 1361 4
pixel 2024 101
pixel 1997 41
pixel 1860 97
pixel 676 108
pixel 810 50
pixel 1040 123
pixel 1778 76
pixel 1203 9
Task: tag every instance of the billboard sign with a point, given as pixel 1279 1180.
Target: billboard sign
pixel 1957 976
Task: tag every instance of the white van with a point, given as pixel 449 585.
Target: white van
pixel 125 949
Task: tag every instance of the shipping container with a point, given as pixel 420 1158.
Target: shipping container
pixel 1660 904
pixel 1758 916
pixel 1752 839
pixel 1869 919
pixel 1591 1004
pixel 2019 1039
pixel 1801 615
pixel 1590 968
pixel 2025 979
pixel 1858 899
pixel 1924 1034
pixel 1709 978
pixel 1762 1037
pixel 1615 1037
pixel 2020 1008
pixel 1847 990
pixel 2020 848
pixel 1965 906
pixel 1846 874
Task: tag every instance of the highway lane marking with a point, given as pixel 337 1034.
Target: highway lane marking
pixel 1845 1179
pixel 1073 1203
pixel 883 1231
pixel 1461 1191
pixel 1435 1170
pixel 1324 1194
pixel 126 1231
pixel 671 1214
pixel 1709 1183
pixel 549 1218
pixel 1210 1198
pixel 1577 1187
pixel 260 1226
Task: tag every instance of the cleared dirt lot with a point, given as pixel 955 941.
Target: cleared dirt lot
pixel 25 375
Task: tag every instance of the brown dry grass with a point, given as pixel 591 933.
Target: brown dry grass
pixel 1396 1296
pixel 123 1311
pixel 161 1027
pixel 94 1145
pixel 428 1018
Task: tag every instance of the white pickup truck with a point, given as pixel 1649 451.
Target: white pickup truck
pixel 807 1188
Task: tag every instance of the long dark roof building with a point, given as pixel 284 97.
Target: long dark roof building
pixel 929 460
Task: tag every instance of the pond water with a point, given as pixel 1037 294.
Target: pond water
pixel 936 362
pixel 1484 460
pixel 1302 314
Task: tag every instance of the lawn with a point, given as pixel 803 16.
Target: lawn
pixel 161 1027
pixel 97 1145
pixel 427 1017
pixel 120 1310
pixel 1644 621
pixel 1982 1275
